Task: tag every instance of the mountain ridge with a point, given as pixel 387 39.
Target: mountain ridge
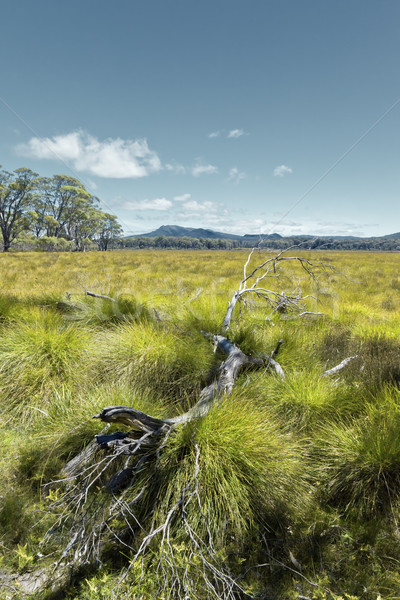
pixel 205 233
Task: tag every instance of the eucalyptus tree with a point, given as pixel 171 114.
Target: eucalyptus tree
pixel 53 207
pixel 64 198
pixel 16 195
pixel 64 208
pixel 84 225
pixel 109 230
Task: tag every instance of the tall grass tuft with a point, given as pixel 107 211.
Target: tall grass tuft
pixel 169 362
pixel 360 463
pixel 102 312
pixel 301 400
pixel 37 357
pixel 250 474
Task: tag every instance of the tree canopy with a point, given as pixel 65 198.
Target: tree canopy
pixel 57 212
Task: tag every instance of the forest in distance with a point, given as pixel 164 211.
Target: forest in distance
pixel 250 443
pixel 384 243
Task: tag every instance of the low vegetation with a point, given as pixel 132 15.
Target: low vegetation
pixel 288 488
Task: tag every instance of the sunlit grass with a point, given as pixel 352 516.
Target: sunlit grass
pixel 171 362
pixel 275 454
pixel 252 474
pixel 360 461
pixel 37 357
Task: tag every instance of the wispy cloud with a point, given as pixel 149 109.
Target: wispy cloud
pixel 160 204
pixel 175 167
pixel 235 175
pixel 199 207
pixel 182 198
pixel 235 133
pixel 282 170
pixel 114 158
pixel 202 169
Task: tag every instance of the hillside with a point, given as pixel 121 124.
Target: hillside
pixel 198 233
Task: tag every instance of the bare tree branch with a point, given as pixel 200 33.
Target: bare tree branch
pixel 278 301
pixel 339 367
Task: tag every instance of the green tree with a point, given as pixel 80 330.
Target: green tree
pixel 63 198
pixel 16 195
pixel 109 230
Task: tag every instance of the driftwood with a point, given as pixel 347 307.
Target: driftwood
pixel 339 367
pixel 101 296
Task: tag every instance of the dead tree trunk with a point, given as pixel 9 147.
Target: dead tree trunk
pixel 222 385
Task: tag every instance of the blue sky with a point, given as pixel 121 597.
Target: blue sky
pixel 215 113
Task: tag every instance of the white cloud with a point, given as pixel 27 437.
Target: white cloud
pixel 198 207
pixel 282 170
pixel 114 158
pixel 200 169
pixel 176 168
pixel 156 204
pixel 183 198
pixel 235 133
pixel 235 175
pixel 214 134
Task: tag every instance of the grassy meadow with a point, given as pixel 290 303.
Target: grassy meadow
pixel 299 477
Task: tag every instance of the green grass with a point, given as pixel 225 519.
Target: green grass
pixel 308 466
pixel 39 355
pixel 360 462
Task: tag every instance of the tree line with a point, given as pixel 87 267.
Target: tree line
pixel 187 243
pixel 52 213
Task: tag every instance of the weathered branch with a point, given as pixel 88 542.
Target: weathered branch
pixel 340 366
pixel 279 302
pixel 135 419
pixel 102 296
pixel 222 385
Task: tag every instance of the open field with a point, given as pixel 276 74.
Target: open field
pixel 299 478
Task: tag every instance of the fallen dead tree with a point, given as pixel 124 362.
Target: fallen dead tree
pixel 98 481
pixel 110 488
pixel 253 282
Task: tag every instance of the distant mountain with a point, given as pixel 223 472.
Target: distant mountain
pixel 177 231
pixel 392 236
pixel 192 232
pixel 251 238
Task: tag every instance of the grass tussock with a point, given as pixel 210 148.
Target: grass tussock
pixel 36 358
pixel 360 462
pixel 172 363
pixel 98 312
pixel 251 475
